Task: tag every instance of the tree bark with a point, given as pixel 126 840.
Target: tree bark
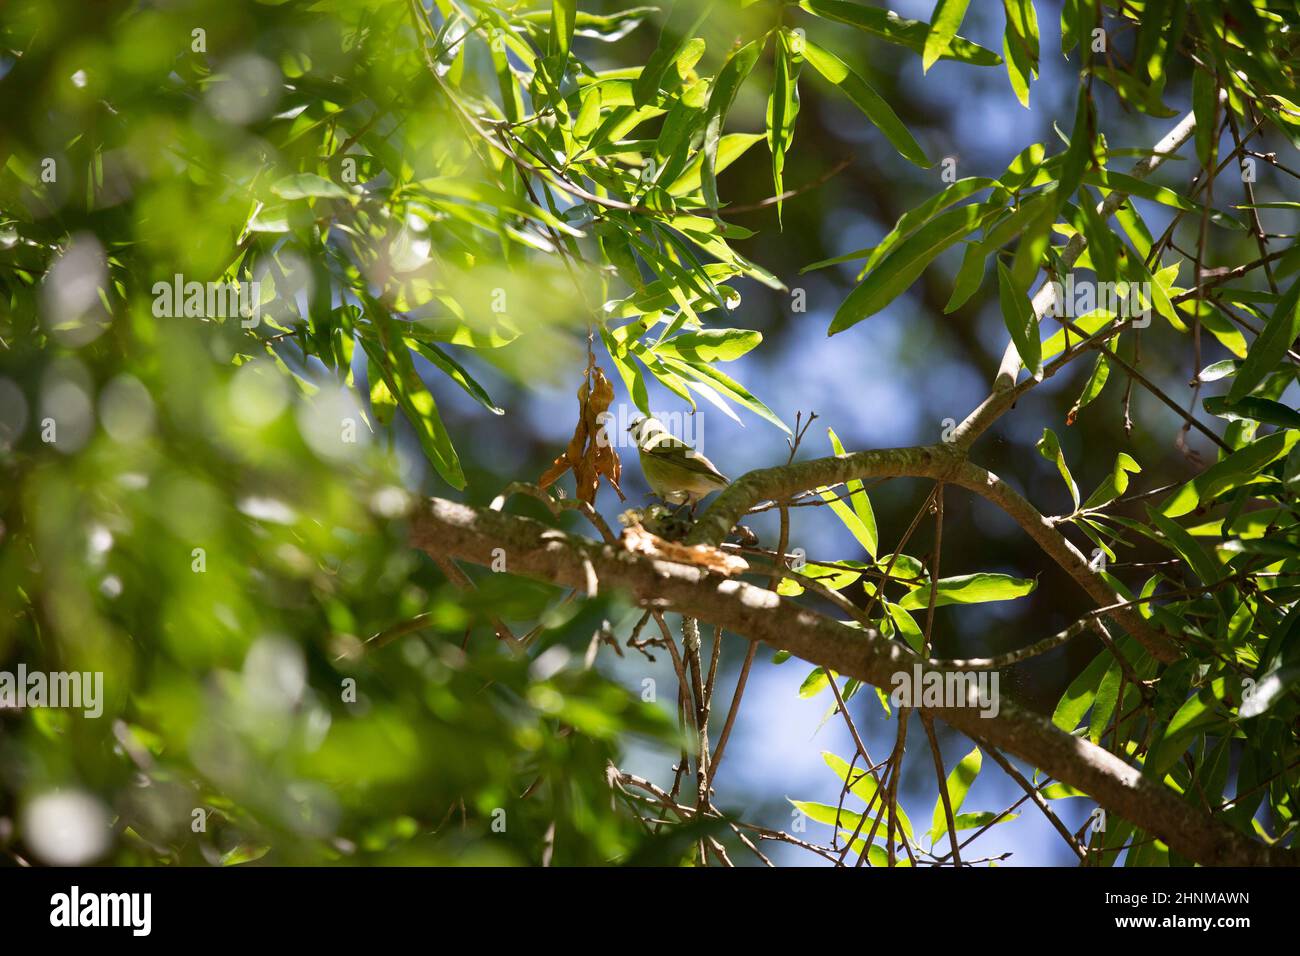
pixel 446 529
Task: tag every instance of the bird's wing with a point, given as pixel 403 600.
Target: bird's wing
pixel 680 454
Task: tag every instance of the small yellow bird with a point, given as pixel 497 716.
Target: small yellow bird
pixel 675 471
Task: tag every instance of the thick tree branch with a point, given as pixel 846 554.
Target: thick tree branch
pixel 449 530
pixel 945 463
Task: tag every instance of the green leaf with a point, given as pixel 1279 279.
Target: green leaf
pixel 673 146
pixel 1217 370
pixel 417 402
pixel 382 401
pixel 1093 322
pixel 862 785
pixel 1142 189
pixel 588 115
pixel 838 260
pixel 913 219
pixel 1116 484
pixel 304 185
pixel 730 148
pixel 1018 314
pixel 1032 248
pixel 833 816
pixel 970 589
pixel 1195 717
pixel 1022 170
pixel 1255 409
pixel 563 15
pixel 834 578
pixel 872 104
pixel 971 274
pixel 958 785
pixel 1079 154
pixel 1136 92
pixel 1106 701
pixel 1270 689
pixel 860 519
pixel 456 372
pixel 1081 693
pixel 901 267
pixel 684 20
pixel 727 386
pixel 733 73
pixel 1020 46
pixel 889 26
pixel 1092 388
pixel 1186 547
pixel 709 345
pixel 907 627
pixel 1237 469
pixel 1050 448
pixel 783 108
pixel 816 682
pixel 945 21
pixel 979 819
pixel 1269 349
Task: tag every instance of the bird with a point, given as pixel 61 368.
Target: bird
pixel 675 471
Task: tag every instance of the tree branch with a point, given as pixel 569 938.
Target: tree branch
pixel 446 529
pixel 943 462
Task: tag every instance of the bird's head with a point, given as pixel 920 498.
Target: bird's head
pixel 643 429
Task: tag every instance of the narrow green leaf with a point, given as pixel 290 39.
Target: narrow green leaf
pixel 1116 484
pixel 971 274
pixel 684 20
pixel 1142 189
pixel 977 588
pixel 1097 379
pixel 1022 324
pixel 889 26
pixel 1050 448
pixel 1104 705
pixel 563 15
pixel 1020 46
pixel 959 782
pixel 1269 349
pixel 1078 697
pixel 733 73
pixel 1255 409
pixel 709 345
pixel 913 219
pixel 730 148
pixel 1196 716
pixel 865 528
pixel 901 267
pixel 305 185
pixel 872 104
pixel 1239 468
pixel 945 21
pixel 1079 154
pixel 456 372
pixel 783 107
pixel 727 386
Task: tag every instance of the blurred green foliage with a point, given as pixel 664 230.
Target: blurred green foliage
pixel 206 508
